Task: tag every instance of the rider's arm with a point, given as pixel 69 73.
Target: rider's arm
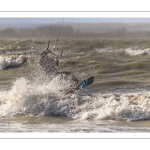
pixel 48 51
pixel 57 60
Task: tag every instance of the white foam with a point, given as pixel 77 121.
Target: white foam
pixel 41 98
pixel 107 50
pixel 128 51
pixel 134 52
pixel 10 61
pixel 26 96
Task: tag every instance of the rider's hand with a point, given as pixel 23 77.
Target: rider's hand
pixel 48 51
pixel 57 58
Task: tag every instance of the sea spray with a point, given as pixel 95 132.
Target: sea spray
pixel 41 96
pixel 25 95
pixel 28 98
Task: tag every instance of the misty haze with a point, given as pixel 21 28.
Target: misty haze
pixel 27 30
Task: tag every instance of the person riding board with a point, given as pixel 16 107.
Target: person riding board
pixel 50 65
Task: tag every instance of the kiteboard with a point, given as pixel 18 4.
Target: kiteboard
pixel 78 86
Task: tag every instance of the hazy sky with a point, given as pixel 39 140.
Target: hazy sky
pixel 32 22
pixel 74 20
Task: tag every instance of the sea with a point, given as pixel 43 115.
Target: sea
pixel 117 102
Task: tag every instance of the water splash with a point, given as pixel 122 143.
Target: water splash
pixel 29 98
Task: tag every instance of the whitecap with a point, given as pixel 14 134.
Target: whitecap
pixel 11 61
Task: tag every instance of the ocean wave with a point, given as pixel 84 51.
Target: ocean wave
pixel 43 98
pixel 128 51
pixel 135 52
pixel 107 50
pixel 29 97
pixel 11 61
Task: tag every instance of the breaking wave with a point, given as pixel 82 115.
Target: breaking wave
pixel 128 51
pixel 43 98
pixel 135 52
pixel 11 61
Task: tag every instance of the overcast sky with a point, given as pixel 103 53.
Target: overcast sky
pixel 29 22
pixel 75 20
